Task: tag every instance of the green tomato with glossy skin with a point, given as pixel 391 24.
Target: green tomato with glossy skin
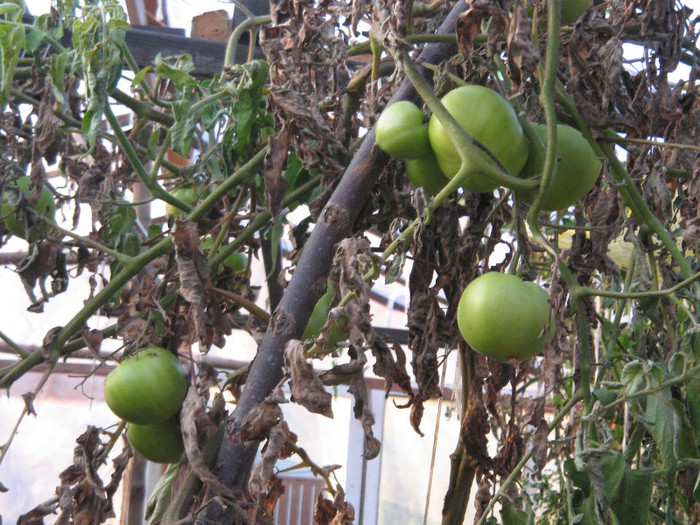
pixel 400 131
pixel 503 317
pixel 425 172
pixel 160 442
pixel 491 120
pixel 576 170
pixel 147 388
pixel 318 319
pixel 15 217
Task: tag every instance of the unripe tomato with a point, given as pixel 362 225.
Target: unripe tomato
pixel 188 195
pixel 486 116
pixel 147 388
pixel 15 218
pixel 160 443
pixel 572 9
pixel 576 171
pixel 319 316
pixel 503 317
pixel 400 131
pixel 426 173
pixel 237 261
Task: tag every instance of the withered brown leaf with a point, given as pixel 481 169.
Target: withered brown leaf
pixel 307 389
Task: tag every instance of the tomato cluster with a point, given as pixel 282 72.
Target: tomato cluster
pixel 432 158
pixel 147 392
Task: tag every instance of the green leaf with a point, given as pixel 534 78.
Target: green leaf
pixel 57 71
pixel 129 244
pixel 34 39
pixel 183 131
pixel 11 8
pixel 162 494
pixel 664 420
pixel 604 395
pixel 613 467
pixel 178 73
pixel 676 366
pixel 139 76
pixel 631 506
pixel 11 45
pixel 121 220
pixel 578 478
pixel 512 515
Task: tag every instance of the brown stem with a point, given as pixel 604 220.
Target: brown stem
pixel 308 283
pixel 462 465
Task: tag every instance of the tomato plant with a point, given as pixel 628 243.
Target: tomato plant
pixel 491 120
pixel 159 442
pixel 400 131
pixel 503 317
pixel 425 172
pixel 17 220
pixel 146 388
pixel 577 168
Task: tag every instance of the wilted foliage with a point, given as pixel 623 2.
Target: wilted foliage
pixel 608 415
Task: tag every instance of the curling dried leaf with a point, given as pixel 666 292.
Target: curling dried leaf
pixel 307 389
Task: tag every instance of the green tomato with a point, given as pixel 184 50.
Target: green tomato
pixel 188 195
pixel 400 131
pixel 15 218
pixel 571 10
pixel 576 171
pixel 426 173
pixel 318 319
pixel 486 116
pixel 147 388
pixel 503 317
pixel 160 442
pixel 237 261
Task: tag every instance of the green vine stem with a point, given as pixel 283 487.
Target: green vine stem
pixel 308 462
pixel 515 473
pixel 17 348
pixel 632 140
pixel 122 258
pixel 619 311
pixel 241 301
pixel 150 183
pixel 548 83
pixel 246 171
pixel 249 24
pixel 688 375
pixel 582 291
